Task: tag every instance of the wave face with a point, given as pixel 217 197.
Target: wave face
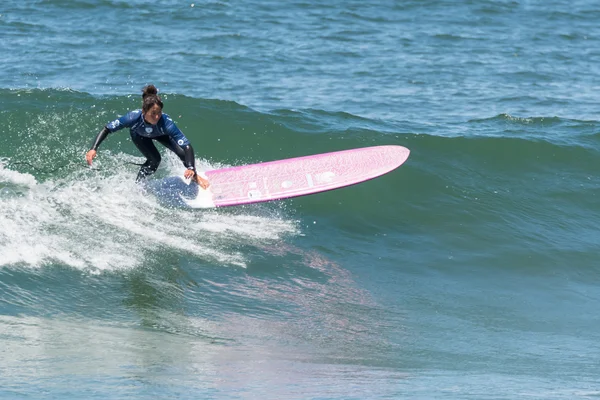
pixel 469 270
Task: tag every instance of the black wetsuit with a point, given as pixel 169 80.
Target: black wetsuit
pixel 142 133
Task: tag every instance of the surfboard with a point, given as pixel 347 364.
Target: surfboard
pixel 292 177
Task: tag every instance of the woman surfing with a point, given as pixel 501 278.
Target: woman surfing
pixel 147 125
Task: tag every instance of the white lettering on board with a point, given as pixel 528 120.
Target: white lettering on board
pixel 309 180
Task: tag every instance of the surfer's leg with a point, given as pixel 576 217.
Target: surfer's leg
pixel 148 149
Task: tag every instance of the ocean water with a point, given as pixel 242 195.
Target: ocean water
pixel 471 272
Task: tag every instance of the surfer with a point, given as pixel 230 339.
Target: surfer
pixel 147 125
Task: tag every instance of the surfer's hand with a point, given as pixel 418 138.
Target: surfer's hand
pixel 90 156
pixel 204 184
pixel 189 173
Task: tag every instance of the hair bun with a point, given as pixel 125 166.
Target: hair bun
pixel 149 90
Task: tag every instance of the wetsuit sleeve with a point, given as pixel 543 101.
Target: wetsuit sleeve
pixel 100 137
pixel 190 160
pixel 126 121
pixel 173 131
pixel 181 140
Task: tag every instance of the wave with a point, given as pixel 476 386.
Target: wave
pixel 499 171
pixel 48 129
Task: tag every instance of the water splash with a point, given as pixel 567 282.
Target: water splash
pixel 107 222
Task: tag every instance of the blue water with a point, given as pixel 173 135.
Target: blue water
pixel 468 273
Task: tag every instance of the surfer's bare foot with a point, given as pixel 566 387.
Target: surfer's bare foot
pixel 204 184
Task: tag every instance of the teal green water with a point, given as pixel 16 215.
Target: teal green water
pixel 469 272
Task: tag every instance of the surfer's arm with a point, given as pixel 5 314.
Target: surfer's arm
pixel 190 164
pixel 126 120
pixel 100 138
pixel 189 159
pixel 91 154
pixel 176 135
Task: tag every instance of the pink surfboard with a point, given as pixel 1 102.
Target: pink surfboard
pixel 275 180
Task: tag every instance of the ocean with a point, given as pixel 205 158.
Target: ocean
pixel 470 272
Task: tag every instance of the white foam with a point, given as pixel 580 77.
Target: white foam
pixel 10 176
pixel 107 222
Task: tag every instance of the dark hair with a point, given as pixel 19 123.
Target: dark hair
pixel 150 98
